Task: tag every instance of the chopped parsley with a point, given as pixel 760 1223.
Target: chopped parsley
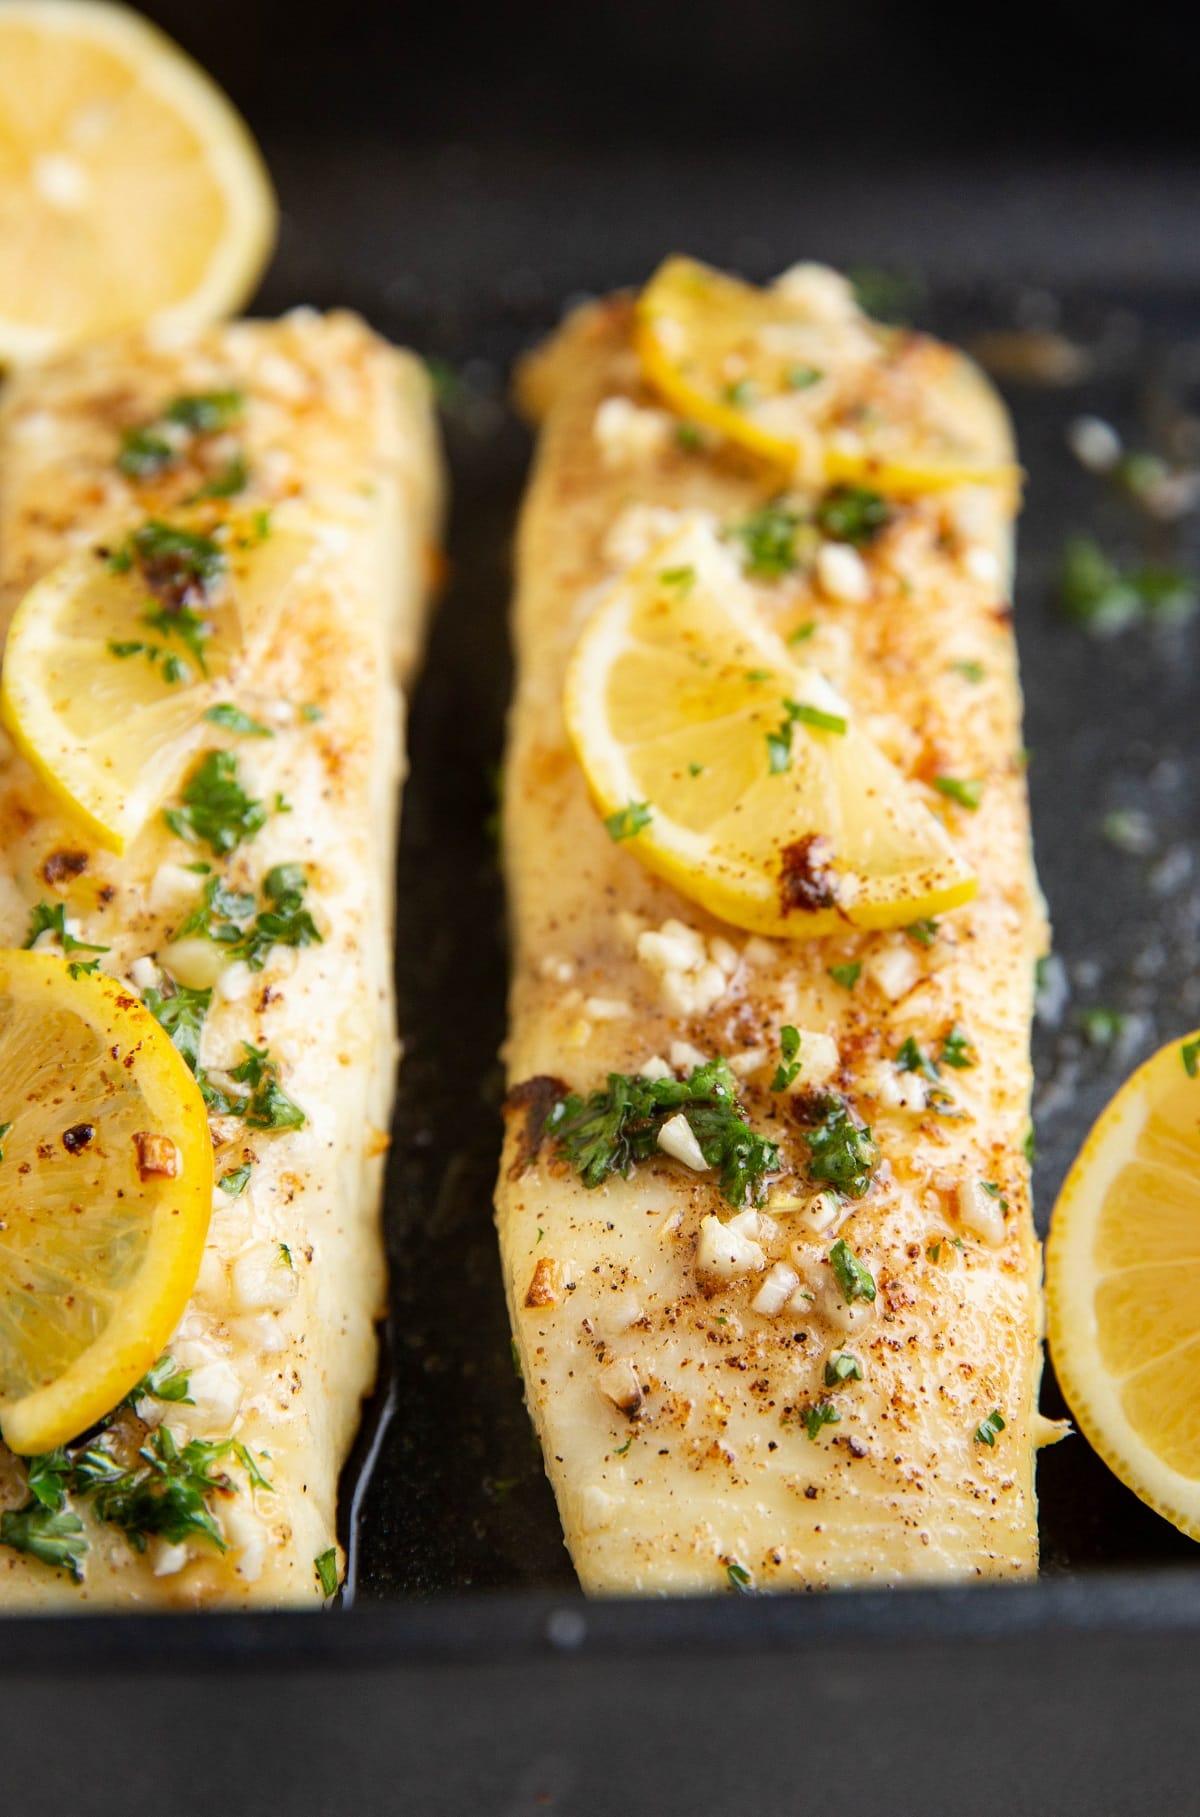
pixel 967 791
pixel 622 1449
pixel 803 632
pixel 144 453
pixel 824 1413
pixel 789 1065
pixel 779 742
pixel 51 918
pixel 855 1280
pixel 181 1013
pixel 174 669
pixel 1029 1146
pixel 1189 1053
pixel 227 482
pixel 236 1180
pixel 1102 1027
pixel 970 670
pixel 681 580
pixel 180 567
pixel 799 378
pixel 739 1578
pixel 268 1105
pixel 53 1535
pixel 740 394
pixel 5 1131
pixel 688 437
pixel 769 538
pixel 216 808
pixel 325 1564
pixel 985 1432
pixel 924 933
pixel 910 1059
pixel 310 712
pixel 165 1382
pixel 1095 593
pixel 206 412
pixel 224 916
pixel 957 1049
pixel 846 975
pixel 234 720
pixel 629 821
pixel 853 514
pixel 842 1368
pixel 610 1131
pixel 841 1152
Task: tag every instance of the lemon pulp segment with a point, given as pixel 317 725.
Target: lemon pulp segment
pixel 675 697
pixel 105 1195
pixel 799 376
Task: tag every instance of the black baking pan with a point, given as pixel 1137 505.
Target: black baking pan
pixel 466 1675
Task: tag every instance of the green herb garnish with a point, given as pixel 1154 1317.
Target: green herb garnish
pixel 853 514
pixel 846 975
pixel 181 1013
pixel 236 1180
pixel 216 809
pixel 924 933
pixel 53 1535
pixel 841 1152
pixel 855 1281
pixel 1095 593
pixel 842 1368
pixel 234 720
pixel 1102 1026
pixel 326 1567
pixel 823 1414
pixel 739 1578
pixel 967 791
pixel 681 580
pixel 957 1049
pixel 985 1432
pixel 779 742
pixel 610 1131
pixel 970 670
pixel 769 539
pixel 51 918
pixel 1189 1053
pixel 268 1106
pixel 629 821
pixel 789 1065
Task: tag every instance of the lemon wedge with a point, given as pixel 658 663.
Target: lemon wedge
pixel 736 774
pixel 105 1193
pixel 799 376
pixel 1123 1284
pixel 130 191
pixel 104 686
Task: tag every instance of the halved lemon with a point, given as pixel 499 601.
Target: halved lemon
pixel 130 190
pixel 105 1192
pixel 1123 1284
pixel 736 774
pixel 104 689
pixel 817 388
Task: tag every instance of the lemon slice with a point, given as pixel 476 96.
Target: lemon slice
pixel 1123 1284
pixel 105 1192
pixel 736 774
pixel 108 705
pixel 130 191
pixel 798 375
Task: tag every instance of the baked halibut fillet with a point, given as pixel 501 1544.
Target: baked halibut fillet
pixel 720 1400
pixel 310 422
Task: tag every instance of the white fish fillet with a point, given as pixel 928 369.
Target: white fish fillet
pixel 279 1338
pixel 674 1419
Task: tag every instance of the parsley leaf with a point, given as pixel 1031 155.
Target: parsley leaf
pixel 629 821
pixel 842 1152
pixel 779 742
pixel 51 918
pixel 769 538
pixel 227 482
pixel 326 1567
pixel 610 1131
pixel 205 412
pixel 681 580
pixel 182 1014
pixel 856 1281
pixel 268 1106
pixel 180 567
pixel 215 807
pixel 1102 1026
pixel 924 933
pixel 853 514
pixel 970 670
pixel 910 1059
pixel 967 791
pixel 985 1432
pixel 1095 593
pixel 739 1578
pixel 236 1180
pixel 1190 1055
pixel 144 453
pixel 234 720
pixel 842 1368
pixel 957 1049
pixel 789 1066
pixel 823 1414
pixel 165 1382
pixel 54 1535
pixel 283 920
pixel 5 1132
pixel 846 975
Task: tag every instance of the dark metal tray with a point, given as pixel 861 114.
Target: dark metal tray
pixel 468 1676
